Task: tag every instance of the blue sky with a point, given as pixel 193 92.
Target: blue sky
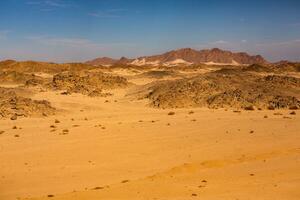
pixel 79 30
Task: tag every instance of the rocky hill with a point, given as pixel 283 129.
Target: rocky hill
pixel 188 56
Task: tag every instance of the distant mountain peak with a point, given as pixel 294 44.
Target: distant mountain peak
pixel 188 56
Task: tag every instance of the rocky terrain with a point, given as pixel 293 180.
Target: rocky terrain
pixel 14 106
pixel 46 67
pixel 89 83
pixel 28 79
pixel 228 89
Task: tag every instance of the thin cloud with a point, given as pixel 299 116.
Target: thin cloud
pixel 110 13
pixel 48 5
pixel 282 43
pixel 73 42
pixel 220 42
pixel 46 40
pixel 4 33
pixel 55 3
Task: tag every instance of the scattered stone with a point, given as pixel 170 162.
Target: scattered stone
pixel 65 93
pixel 16 135
pixel 293 113
pixel 65 131
pixel 251 131
pixel 194 195
pixel 98 188
pixel 191 112
pixel 171 113
pixel 294 107
pixel 124 181
pixel 52 126
pixel 271 107
pixel 14 117
pixel 50 195
pixel 14 127
pixel 285 117
pixel 1 132
pixel 56 121
pixel 250 107
pixel 266 116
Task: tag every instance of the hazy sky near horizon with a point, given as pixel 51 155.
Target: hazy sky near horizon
pixel 79 30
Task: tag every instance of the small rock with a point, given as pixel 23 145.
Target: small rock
pixel 98 188
pixel 65 131
pixel 171 113
pixel 56 121
pixel 293 107
pixel 250 107
pixel 271 107
pixel 293 113
pixel 14 117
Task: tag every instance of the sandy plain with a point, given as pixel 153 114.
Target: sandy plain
pixel 119 148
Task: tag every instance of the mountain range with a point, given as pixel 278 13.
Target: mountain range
pixel 186 56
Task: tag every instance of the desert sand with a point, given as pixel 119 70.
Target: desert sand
pixel 119 147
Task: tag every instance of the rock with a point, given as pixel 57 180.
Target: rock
pixel 226 89
pixel 14 117
pixel 88 83
pixel 14 106
pixel 250 107
pixel 171 113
